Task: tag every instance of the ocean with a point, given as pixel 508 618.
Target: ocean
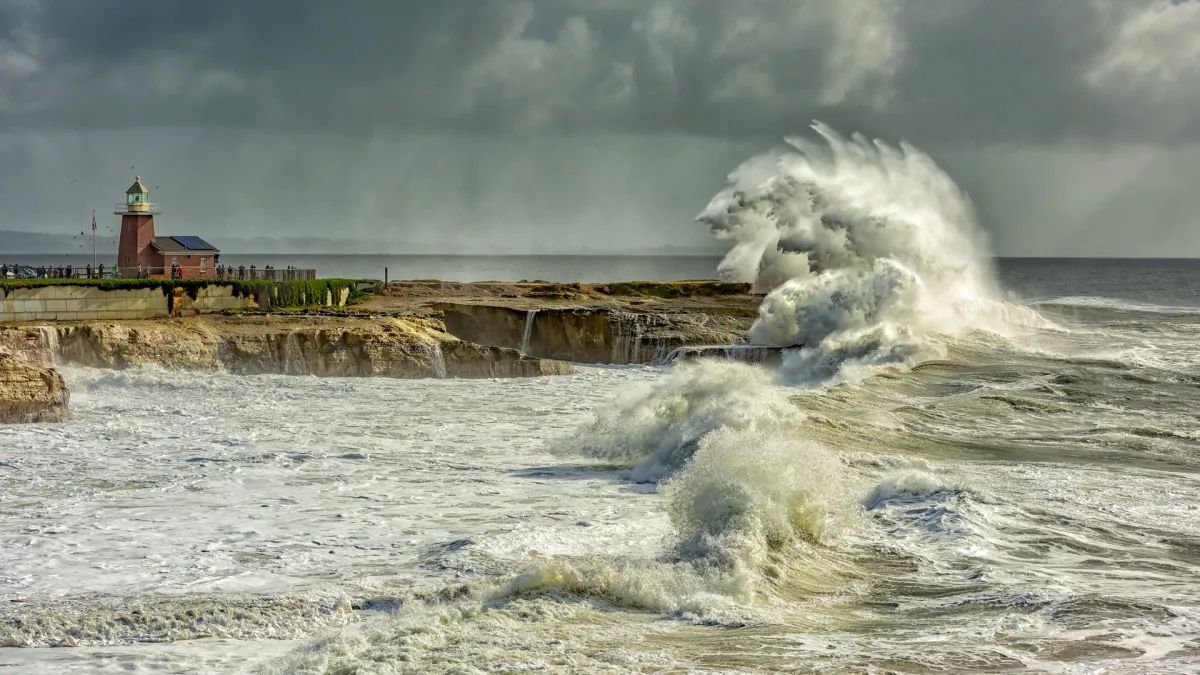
pixel 1005 507
pixel 959 465
pixel 1149 279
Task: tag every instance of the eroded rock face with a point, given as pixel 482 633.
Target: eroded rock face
pixel 327 347
pixel 591 335
pixel 30 393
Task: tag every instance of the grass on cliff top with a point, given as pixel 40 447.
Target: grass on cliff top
pixel 283 293
pixel 674 289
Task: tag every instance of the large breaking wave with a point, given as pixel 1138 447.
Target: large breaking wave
pixel 867 252
pixel 869 256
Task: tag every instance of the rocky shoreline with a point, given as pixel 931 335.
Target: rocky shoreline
pixel 414 329
pixel 31 393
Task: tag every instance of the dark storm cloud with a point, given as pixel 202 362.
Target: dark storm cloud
pixel 936 70
pixel 590 125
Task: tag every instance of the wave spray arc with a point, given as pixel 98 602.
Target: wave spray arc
pixel 865 251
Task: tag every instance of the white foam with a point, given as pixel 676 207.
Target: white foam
pixel 657 427
pixel 1099 302
pixel 867 251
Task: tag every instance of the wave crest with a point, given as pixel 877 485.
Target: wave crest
pixel 657 429
pixel 866 251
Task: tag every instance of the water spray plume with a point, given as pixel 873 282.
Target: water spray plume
pixel 865 251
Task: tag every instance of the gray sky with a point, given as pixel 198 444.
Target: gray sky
pixel 590 124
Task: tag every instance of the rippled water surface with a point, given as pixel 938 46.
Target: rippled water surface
pixel 1027 502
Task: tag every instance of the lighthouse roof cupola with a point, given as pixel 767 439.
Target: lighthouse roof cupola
pixel 138 187
pixel 137 197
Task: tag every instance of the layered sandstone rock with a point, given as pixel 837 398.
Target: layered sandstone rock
pixel 322 346
pixel 428 329
pixel 30 393
pixel 591 334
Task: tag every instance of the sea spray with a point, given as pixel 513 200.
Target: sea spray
pixel 867 253
pixel 656 429
pixel 753 510
pixel 751 501
pixel 754 502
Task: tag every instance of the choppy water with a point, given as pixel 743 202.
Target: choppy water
pixel 1027 502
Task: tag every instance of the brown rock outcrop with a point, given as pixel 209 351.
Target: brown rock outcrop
pixel 30 393
pixel 591 334
pixel 402 347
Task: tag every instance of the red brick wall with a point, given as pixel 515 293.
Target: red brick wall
pixel 134 249
pixel 189 265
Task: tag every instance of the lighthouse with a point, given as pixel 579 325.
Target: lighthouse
pixel 142 254
pixel 137 229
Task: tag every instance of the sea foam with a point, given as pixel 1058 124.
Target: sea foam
pixel 867 253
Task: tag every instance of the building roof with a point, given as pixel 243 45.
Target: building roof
pixel 138 187
pixel 182 244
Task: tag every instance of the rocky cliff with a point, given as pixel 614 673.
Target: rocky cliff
pixel 323 346
pixel 591 334
pixel 30 393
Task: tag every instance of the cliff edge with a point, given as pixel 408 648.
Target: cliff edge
pixel 30 393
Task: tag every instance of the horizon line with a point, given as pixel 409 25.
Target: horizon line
pixel 590 254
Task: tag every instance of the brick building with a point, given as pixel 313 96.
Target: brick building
pixel 141 253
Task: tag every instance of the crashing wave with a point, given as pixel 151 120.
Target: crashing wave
pixel 657 429
pixel 866 253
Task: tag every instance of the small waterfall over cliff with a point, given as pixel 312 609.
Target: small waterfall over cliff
pixel 530 315
pixel 292 357
pixel 743 353
pixel 47 343
pixel 631 342
pixel 437 360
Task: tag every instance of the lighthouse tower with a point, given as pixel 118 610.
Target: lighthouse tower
pixel 137 229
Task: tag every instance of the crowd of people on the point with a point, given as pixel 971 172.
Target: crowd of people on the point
pixel 100 271
pixel 239 272
pixel 55 272
pixel 251 272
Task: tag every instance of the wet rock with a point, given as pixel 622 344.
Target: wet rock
pixel 30 393
pixel 591 334
pixel 400 347
pixel 745 353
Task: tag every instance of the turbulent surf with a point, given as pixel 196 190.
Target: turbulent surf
pixel 958 467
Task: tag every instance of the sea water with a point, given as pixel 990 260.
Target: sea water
pixel 1000 508
pixel 952 470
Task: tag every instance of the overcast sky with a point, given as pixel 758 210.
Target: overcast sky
pixel 552 125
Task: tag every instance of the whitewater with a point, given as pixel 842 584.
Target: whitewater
pixel 952 470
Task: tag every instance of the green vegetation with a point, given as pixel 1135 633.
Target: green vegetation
pixel 285 294
pixel 674 289
pixel 268 294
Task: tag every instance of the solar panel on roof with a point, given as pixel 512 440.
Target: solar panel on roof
pixel 194 243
